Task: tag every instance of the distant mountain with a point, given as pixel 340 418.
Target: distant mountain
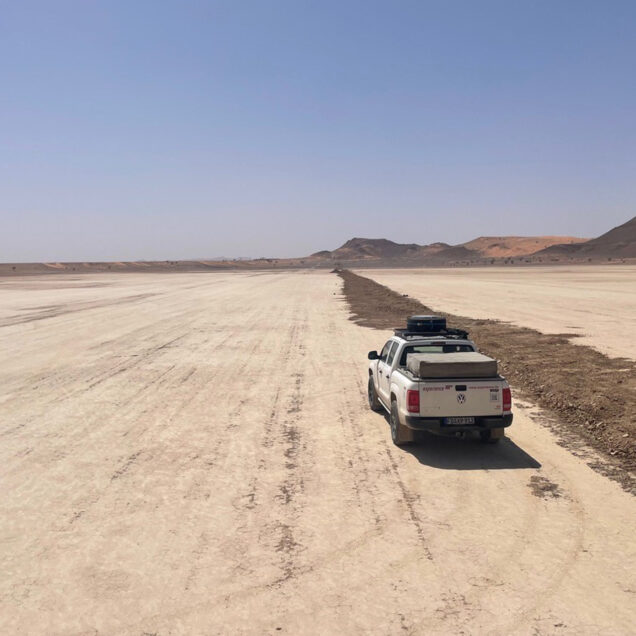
pixel 383 251
pixel 619 242
pixel 515 246
pixel 363 248
pixel 373 248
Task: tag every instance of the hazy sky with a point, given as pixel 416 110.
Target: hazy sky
pixel 143 130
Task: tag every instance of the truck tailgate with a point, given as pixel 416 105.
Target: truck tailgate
pixel 456 398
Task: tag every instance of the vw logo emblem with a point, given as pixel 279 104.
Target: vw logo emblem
pixel 461 398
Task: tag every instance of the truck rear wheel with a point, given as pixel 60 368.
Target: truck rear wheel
pixel 492 435
pixel 374 402
pixel 400 434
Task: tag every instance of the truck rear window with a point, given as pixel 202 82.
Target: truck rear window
pixel 445 348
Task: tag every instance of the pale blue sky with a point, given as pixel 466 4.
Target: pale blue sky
pixel 161 130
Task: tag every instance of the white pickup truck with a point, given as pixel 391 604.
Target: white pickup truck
pixel 438 382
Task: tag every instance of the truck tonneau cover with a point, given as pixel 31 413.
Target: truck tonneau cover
pixel 469 364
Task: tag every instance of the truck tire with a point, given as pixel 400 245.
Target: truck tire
pixel 492 435
pixel 374 402
pixel 400 434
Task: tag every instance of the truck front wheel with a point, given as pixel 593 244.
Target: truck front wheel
pixel 374 402
pixel 400 434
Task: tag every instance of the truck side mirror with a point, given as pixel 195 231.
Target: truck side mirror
pixel 373 355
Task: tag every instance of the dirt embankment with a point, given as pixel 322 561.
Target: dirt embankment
pixel 592 395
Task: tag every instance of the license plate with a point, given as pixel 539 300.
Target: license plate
pixel 459 421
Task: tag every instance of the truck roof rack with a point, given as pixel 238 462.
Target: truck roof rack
pixel 459 334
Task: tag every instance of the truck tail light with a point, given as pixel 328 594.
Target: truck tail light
pixel 507 400
pixel 413 401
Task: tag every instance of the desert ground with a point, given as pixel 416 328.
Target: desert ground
pixel 194 454
pixel 597 303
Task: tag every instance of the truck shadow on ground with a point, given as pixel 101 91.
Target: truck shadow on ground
pixel 451 453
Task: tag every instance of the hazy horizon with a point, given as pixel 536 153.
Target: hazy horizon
pixel 165 131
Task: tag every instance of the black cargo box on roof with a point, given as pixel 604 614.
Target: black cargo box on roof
pixel 425 324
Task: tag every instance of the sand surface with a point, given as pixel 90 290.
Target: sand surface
pixel 598 303
pixel 193 454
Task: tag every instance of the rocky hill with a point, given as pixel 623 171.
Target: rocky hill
pixel 619 242
pixel 382 252
pixel 363 248
pixel 515 246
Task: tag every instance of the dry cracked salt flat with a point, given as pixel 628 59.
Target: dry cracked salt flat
pixel 193 454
